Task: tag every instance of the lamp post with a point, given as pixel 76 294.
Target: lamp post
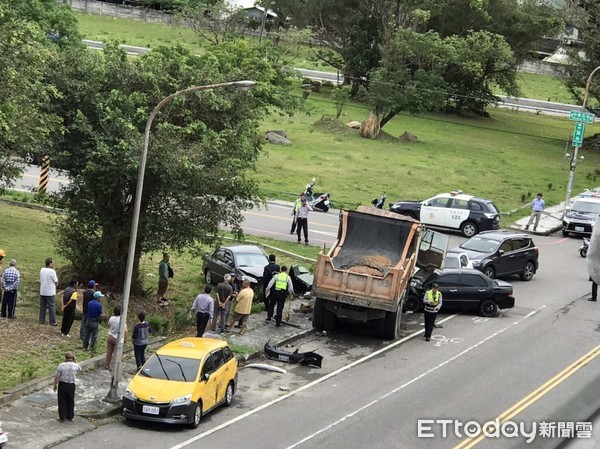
pixel 116 374
pixel 575 151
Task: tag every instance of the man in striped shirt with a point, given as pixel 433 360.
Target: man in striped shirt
pixel 10 283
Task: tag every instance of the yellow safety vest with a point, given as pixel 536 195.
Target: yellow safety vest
pixel 430 298
pixel 281 281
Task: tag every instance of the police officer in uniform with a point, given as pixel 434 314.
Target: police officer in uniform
pixel 283 285
pixel 433 303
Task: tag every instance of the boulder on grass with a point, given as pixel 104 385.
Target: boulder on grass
pixel 354 124
pixel 408 137
pixel 369 129
pixel 276 139
pixel 281 132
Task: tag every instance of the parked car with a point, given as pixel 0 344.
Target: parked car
pixel 457 260
pixel 581 216
pixel 453 210
pixel 182 382
pixel 465 289
pixel 501 253
pixel 245 261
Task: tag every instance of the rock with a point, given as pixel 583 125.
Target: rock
pixel 316 85
pixel 354 124
pixel 408 137
pixel 276 139
pixel 328 83
pixel 369 129
pixel 281 132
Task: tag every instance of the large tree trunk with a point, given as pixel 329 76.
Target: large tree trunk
pixel 116 249
pixel 369 129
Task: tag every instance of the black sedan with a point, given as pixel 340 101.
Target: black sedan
pixel 464 289
pixel 245 261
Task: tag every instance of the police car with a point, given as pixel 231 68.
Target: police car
pixel 582 214
pixel 453 210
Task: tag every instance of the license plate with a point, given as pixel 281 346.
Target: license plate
pixel 326 202
pixel 579 228
pixel 3 438
pixel 150 410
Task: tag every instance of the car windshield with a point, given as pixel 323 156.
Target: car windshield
pixel 251 260
pixel 586 208
pixel 178 369
pixel 481 245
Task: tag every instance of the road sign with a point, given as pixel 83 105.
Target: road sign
pixel 579 116
pixel 578 134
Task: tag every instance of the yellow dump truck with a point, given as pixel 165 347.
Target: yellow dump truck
pixel 366 274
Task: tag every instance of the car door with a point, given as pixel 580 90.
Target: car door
pixel 522 249
pixel 432 250
pixel 219 374
pixel 458 212
pixel 474 288
pixel 218 265
pixel 434 211
pixel 505 258
pixel 448 285
pixel 207 384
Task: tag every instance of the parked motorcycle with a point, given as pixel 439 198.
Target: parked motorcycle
pixel 378 203
pixel 584 247
pixel 317 200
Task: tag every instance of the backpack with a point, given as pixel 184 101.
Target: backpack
pixel 171 272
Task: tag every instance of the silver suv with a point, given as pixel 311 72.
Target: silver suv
pixel 581 216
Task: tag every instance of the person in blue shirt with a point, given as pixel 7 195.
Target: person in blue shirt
pixel 537 205
pixel 94 312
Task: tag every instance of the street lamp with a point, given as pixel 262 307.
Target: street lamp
pixel 116 374
pixel 574 159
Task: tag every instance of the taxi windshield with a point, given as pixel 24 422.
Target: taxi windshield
pixel 178 369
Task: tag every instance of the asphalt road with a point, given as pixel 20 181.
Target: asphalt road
pixel 371 393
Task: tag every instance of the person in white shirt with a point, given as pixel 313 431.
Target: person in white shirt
pixel 302 219
pixel 48 283
pixel 113 335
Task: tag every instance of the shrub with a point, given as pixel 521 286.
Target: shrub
pixel 159 324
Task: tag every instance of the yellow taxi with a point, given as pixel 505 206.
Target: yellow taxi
pixel 182 381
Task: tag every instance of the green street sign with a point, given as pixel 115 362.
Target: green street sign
pixel 579 116
pixel 578 134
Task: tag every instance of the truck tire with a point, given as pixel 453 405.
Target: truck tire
pixel 391 327
pixel 319 314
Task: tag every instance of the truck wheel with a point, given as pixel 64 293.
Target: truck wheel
pixel 319 314
pixel 412 303
pixel 329 320
pixel 391 327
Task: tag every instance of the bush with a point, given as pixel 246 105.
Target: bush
pixel 180 320
pixel 159 324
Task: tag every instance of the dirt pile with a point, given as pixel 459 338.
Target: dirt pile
pixel 372 265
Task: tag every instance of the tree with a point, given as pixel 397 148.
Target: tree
pixel 202 152
pixel 214 21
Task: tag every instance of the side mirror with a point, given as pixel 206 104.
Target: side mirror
pixel 501 252
pixel 427 203
pixel 204 377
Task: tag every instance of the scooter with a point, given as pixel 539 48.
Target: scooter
pixel 378 203
pixel 584 247
pixel 3 437
pixel 319 200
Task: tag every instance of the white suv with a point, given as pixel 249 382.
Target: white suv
pixel 581 216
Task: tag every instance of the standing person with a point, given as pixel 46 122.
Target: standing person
pixel 204 307
pixel 268 273
pixel 10 283
pixel 2 256
pixel 88 295
pixel 594 296
pixel 537 205
pixel 433 303
pixel 64 381
pixel 163 280
pixel 113 336
pixel 94 312
pixel 69 304
pixel 295 208
pixel 140 340
pixel 282 284
pixel 243 307
pixel 302 219
pixel 222 303
pixel 48 283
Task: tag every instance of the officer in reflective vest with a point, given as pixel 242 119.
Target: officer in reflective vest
pixel 433 303
pixel 283 285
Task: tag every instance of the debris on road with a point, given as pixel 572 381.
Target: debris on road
pixel 303 358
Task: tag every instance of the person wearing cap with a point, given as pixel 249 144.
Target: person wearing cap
pixel 64 384
pixel 48 283
pixel 94 312
pixel 278 289
pixel 10 284
pixel 433 303
pixel 88 295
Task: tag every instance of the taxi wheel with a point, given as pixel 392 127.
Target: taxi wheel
pixel 197 416
pixel 229 394
pixel 468 229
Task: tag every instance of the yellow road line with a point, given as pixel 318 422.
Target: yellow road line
pixel 27 175
pixel 534 396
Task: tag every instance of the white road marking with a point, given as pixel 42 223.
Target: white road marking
pixel 426 373
pixel 302 388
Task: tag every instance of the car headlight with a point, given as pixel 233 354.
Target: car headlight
pixel 130 394
pixel 476 263
pixel 183 400
pixel 249 279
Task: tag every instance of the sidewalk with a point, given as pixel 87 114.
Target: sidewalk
pixel 550 221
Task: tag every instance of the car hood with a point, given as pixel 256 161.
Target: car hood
pixel 255 272
pixel 574 215
pixel 159 390
pixel 403 202
pixel 473 255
